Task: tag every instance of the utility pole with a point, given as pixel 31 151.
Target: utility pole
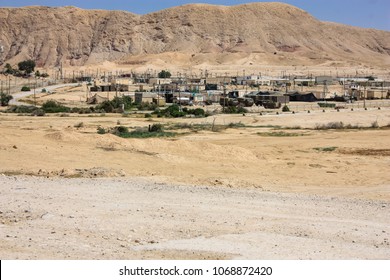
pixel 35 98
pixel 224 98
pixel 9 85
pixel 158 94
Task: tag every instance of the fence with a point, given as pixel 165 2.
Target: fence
pixel 355 105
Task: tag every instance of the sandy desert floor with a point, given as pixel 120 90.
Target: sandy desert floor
pixel 270 187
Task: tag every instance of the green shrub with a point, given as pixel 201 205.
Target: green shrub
pixel 144 133
pixel 326 105
pixel 120 130
pixel 101 130
pixel 157 127
pixel 43 90
pixel 115 105
pixel 5 99
pixel 21 109
pixel 38 113
pixel 285 109
pixel 155 130
pixel 52 106
pixel 25 88
pixel 199 112
pixel 172 111
pixel 147 106
pixel 235 110
pixel 106 106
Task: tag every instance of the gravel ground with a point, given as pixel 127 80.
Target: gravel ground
pixel 136 218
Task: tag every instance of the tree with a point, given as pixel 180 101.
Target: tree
pixel 164 74
pixel 27 66
pixel 4 99
pixel 8 69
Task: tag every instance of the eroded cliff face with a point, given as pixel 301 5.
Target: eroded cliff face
pixel 74 36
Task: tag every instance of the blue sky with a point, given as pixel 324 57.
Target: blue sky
pixel 363 13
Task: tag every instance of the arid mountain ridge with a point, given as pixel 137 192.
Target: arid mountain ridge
pixel 270 33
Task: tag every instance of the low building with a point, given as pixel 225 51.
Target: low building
pixel 308 82
pixel 302 97
pixel 254 80
pixel 160 81
pixel 160 101
pixel 320 80
pixel 377 94
pixel 144 97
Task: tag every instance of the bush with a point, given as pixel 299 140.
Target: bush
pixel 5 99
pixel 158 127
pixel 22 109
pixel 199 112
pixel 172 111
pixel 8 69
pixel 120 130
pixel 115 105
pixel 25 88
pixel 106 106
pixel 285 109
pixel 147 106
pixel 235 110
pixel 101 130
pixel 52 106
pixel 43 90
pixel 164 74
pixel 326 105
pixel 331 125
pixel 38 113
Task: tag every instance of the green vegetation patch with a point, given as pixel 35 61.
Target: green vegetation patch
pixel 234 110
pixel 280 134
pixel 153 131
pixel 326 105
pixel 174 111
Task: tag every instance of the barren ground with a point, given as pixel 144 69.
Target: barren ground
pixel 271 188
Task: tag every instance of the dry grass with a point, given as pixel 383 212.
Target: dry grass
pixel 366 152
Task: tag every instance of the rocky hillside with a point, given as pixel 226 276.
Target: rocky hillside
pixel 277 33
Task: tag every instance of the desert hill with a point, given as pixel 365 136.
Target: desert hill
pixel 271 33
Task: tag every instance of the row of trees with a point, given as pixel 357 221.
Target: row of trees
pixel 25 68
